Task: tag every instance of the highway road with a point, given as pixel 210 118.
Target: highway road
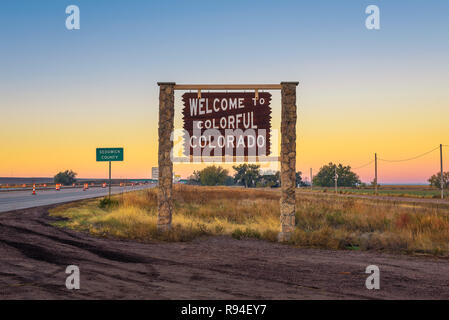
pixel 13 200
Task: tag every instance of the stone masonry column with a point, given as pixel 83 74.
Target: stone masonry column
pixel 288 160
pixel 166 125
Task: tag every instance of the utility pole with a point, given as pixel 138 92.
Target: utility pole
pixel 109 180
pixel 336 177
pixel 441 165
pixel 375 173
pixel 311 179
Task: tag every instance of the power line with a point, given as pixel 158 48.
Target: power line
pixel 367 164
pixel 413 158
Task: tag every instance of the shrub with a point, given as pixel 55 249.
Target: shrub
pixel 107 203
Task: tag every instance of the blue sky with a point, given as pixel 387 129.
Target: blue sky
pixel 104 75
pixel 215 40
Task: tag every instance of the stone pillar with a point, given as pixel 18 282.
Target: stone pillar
pixel 166 126
pixel 288 160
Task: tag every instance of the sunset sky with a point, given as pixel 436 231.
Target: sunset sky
pixel 63 93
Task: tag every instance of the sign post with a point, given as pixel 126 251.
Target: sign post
pixel 109 179
pixel 228 124
pixel 109 154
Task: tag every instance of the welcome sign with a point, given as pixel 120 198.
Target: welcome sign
pixel 227 124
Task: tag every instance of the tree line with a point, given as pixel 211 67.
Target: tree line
pixel 251 176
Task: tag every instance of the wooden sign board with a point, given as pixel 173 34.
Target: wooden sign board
pixel 227 124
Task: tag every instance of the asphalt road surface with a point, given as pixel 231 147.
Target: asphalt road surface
pixel 14 200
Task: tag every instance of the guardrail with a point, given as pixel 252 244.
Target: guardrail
pixel 43 187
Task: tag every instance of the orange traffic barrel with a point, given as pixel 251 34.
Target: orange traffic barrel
pixel 34 190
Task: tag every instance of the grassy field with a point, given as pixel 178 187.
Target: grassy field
pixel 322 221
pixel 412 191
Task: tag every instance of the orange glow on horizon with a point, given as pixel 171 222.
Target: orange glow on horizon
pixel 346 134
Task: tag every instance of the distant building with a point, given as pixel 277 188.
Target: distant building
pixel 155 173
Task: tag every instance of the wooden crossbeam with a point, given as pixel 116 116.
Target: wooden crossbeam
pixel 228 87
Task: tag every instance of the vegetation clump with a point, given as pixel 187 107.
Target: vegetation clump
pixel 108 203
pixel 66 178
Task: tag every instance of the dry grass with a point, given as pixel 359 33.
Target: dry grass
pixel 364 224
pixel 401 191
pixel 324 222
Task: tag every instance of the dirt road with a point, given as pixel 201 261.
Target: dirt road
pixel 34 256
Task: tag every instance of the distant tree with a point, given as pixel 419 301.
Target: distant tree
pixel 229 181
pixel 65 177
pixel 212 176
pixel 299 181
pixel 326 176
pixel 194 179
pixel 277 176
pixel 247 174
pixel 272 180
pixel 435 180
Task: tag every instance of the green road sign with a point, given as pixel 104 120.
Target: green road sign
pixel 109 154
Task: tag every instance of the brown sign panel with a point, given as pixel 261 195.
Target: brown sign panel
pixel 227 123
